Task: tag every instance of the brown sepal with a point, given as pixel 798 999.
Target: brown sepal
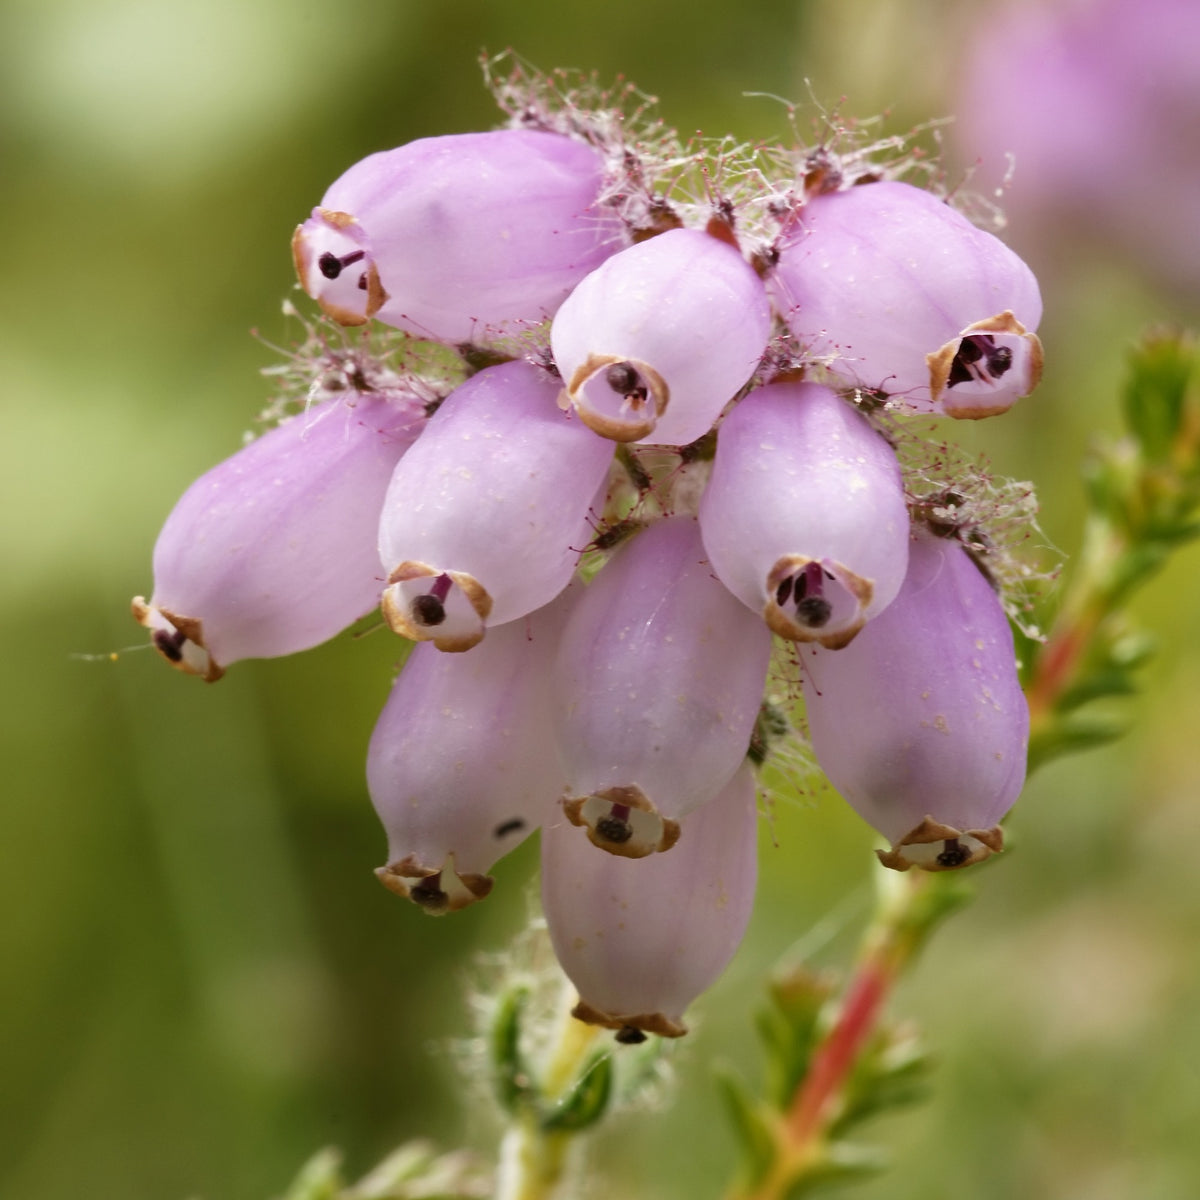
pixel 929 832
pixel 401 876
pixel 657 1023
pixel 192 629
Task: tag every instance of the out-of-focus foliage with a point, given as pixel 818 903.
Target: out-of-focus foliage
pixel 203 983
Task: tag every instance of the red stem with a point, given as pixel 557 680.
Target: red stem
pixel 837 1054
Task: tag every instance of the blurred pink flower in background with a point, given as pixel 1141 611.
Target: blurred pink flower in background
pixel 1099 105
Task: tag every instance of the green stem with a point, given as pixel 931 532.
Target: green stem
pixel 534 1161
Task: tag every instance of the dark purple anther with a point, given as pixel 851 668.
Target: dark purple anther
pixel 954 853
pixel 170 645
pixel 979 358
pixel 972 348
pixel 999 361
pixel 428 893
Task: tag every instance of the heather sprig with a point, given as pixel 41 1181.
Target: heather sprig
pixel 1143 494
pixel 638 425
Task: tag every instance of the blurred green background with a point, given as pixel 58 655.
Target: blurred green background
pixel 202 983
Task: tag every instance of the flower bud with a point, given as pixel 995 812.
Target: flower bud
pixel 459 768
pixel 641 939
pixel 485 519
pixel 804 517
pixel 907 297
pixel 654 343
pixel 657 686
pixel 921 723
pixel 453 237
pixel 273 550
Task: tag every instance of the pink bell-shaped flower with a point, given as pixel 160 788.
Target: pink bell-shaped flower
pixel 273 550
pixel 460 768
pixel 653 344
pixel 488 516
pixel 921 723
pixel 905 296
pixel 804 517
pixel 658 683
pixel 453 238
pixel 641 939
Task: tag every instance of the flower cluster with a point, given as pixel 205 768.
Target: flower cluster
pixel 670 462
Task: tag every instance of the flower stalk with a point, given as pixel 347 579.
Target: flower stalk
pixel 537 1146
pixel 839 1046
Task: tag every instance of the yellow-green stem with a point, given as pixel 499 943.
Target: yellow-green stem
pixel 535 1162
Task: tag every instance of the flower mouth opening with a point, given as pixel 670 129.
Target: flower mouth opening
pixel 986 369
pixel 932 846
pixel 437 890
pixel 180 640
pixel 335 269
pixel 448 608
pixel 619 398
pixel 622 821
pixel 815 600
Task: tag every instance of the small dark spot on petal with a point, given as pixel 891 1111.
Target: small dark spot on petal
pixel 512 825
